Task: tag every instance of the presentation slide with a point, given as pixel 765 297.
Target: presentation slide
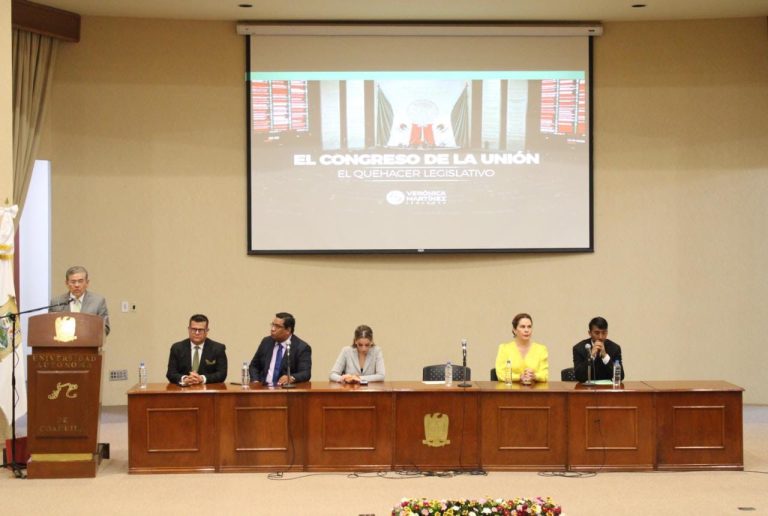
pixel 420 160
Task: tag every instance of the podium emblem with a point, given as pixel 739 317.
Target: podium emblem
pixel 71 388
pixel 65 329
pixel 436 430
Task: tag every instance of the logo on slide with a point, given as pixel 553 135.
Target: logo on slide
pixel 395 197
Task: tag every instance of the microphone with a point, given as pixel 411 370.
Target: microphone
pixel 464 382
pixel 590 364
pixel 288 384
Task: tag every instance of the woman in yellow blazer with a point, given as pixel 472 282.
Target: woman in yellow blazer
pixel 529 360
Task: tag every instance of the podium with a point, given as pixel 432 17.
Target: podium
pixel 64 379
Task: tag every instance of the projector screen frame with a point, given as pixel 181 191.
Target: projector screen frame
pixel 385 251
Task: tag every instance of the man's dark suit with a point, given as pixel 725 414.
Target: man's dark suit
pixel 602 371
pixel 301 361
pixel 213 361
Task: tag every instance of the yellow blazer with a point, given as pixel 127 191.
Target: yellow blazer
pixel 537 359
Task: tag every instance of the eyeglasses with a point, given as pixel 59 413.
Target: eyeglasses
pixel 198 330
pixel 273 325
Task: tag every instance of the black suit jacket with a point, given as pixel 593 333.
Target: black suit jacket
pixel 602 371
pixel 213 361
pixel 301 360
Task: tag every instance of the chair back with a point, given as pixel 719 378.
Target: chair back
pixel 436 373
pixel 568 375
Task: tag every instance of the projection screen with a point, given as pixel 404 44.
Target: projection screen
pixel 375 144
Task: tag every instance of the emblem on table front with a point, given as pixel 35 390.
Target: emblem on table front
pixel 65 329
pixel 436 430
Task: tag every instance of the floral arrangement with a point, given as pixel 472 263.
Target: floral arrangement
pixel 496 507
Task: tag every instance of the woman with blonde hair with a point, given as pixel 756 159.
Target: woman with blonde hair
pixel 362 362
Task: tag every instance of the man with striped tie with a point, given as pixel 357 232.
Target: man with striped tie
pixel 79 298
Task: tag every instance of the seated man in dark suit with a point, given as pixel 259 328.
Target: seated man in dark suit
pixel 198 359
pixel 604 352
pixel 269 367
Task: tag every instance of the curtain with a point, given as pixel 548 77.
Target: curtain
pixel 33 60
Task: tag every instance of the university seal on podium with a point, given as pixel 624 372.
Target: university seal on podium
pixel 436 430
pixel 65 329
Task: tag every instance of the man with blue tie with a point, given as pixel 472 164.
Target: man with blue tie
pixel 270 363
pixel 197 360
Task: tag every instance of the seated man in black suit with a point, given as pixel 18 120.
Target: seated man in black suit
pixel 198 359
pixel 604 352
pixel 268 365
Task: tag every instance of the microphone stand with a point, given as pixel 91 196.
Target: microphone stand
pixel 288 384
pixel 464 383
pixel 590 366
pixel 17 467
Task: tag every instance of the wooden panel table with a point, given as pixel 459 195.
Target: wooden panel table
pixel 261 429
pixel 524 427
pixel 436 427
pixel 349 427
pixel 699 425
pixel 410 425
pixel 611 428
pixel 171 429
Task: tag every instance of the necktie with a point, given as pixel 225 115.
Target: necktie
pixel 75 305
pixel 278 363
pixel 196 359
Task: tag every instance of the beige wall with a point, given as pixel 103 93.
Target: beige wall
pixel 147 138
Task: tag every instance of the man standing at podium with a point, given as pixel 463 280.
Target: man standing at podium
pixel 197 360
pixel 604 352
pixel 268 365
pixel 79 298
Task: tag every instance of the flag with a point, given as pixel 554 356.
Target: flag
pixel 8 306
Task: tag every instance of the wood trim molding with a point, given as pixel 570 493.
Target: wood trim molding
pixel 45 20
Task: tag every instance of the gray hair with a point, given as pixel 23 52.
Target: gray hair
pixel 76 269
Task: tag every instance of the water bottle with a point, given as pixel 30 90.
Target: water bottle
pixel 449 374
pixel 245 376
pixel 142 376
pixel 508 373
pixel 616 374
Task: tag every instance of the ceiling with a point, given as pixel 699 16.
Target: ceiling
pixel 418 10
